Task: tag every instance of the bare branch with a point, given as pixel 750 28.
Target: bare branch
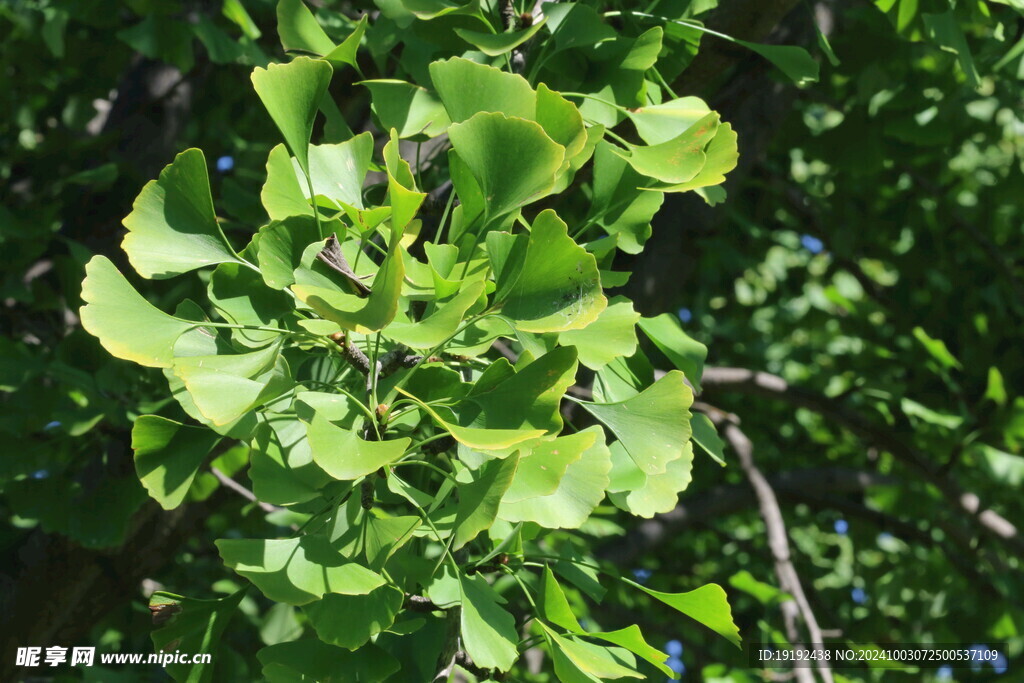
pixel 778 542
pixel 764 384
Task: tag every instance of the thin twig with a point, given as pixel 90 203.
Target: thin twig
pixel 242 491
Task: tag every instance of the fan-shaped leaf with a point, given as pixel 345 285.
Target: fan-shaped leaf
pixel 172 228
pixel 127 325
pixel 297 570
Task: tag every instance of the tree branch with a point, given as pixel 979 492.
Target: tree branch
pixel 778 542
pixel 725 500
pixel 764 384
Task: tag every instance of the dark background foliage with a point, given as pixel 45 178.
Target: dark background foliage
pixel 861 292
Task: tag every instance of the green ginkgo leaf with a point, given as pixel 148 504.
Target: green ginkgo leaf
pixel 480 493
pixel 345 53
pixel 494 44
pixel 577 661
pixel 432 9
pixel 684 352
pixel 241 298
pixel 677 160
pixel 512 159
pixel 349 621
pixel 467 88
pixel 311 659
pixel 297 571
pixel 299 29
pixel 173 228
pixel 527 399
pixel 281 247
pixel 193 624
pixel 706 436
pixel 632 639
pixel 654 425
pixel 225 387
pixel 557 288
pixel 350 311
pixel 283 195
pixel 646 495
pixel 409 109
pixel 404 198
pixel 554 605
pixel 611 335
pixel 478 438
pixel 281 465
pixel 541 469
pixel 168 455
pixel 291 94
pixel 620 206
pixel 127 325
pixel 337 171
pixel 439 325
pixel 657 123
pixel 708 605
pixel 343 455
pixel 579 491
pixel 488 630
pixel 722 156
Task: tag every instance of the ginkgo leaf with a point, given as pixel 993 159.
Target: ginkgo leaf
pixel 291 94
pixel 440 324
pixel 299 29
pixel 654 425
pixel 554 604
pixel 494 44
pixel 686 353
pixel 467 88
pixel 193 624
pixel 311 659
pixel 576 660
pixel 281 247
pixel 352 312
pixel 480 494
pixel 610 336
pixel 488 630
pixel 127 325
pixel 343 455
pixel 297 571
pixel 480 438
pixel 410 109
pixel 708 605
pixel 577 494
pixel 527 399
pixel 541 469
pixel 722 156
pixel 677 160
pixel 706 436
pixel 632 639
pixel 345 52
pixel 646 495
pixel 620 206
pixel 657 123
pixel 512 159
pixel 558 287
pixel 350 621
pixel 172 228
pixel 168 455
pixel 225 387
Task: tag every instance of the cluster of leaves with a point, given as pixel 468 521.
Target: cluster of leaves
pixel 351 343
